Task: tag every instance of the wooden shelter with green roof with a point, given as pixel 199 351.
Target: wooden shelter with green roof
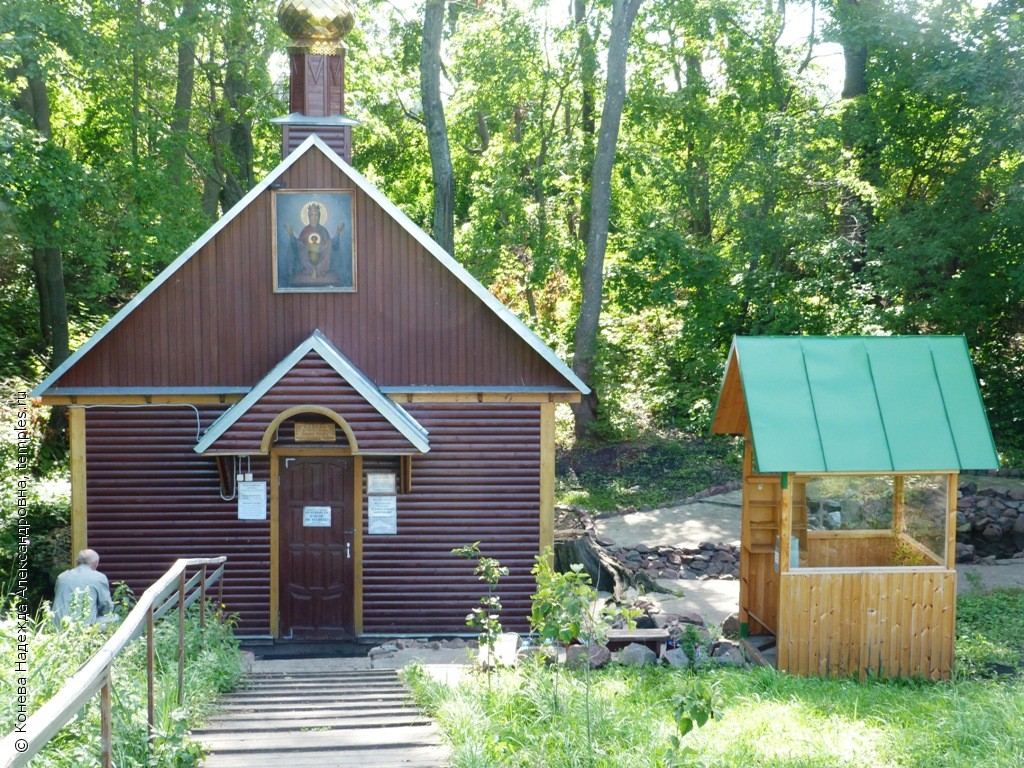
pixel 853 447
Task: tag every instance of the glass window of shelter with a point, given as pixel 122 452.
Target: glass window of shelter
pixel 872 521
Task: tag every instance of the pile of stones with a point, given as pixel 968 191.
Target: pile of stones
pixel 705 561
pixel 989 523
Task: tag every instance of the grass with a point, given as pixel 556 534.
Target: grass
pixel 212 665
pixel 763 717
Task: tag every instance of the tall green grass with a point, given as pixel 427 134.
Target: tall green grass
pixel 212 665
pixel 764 718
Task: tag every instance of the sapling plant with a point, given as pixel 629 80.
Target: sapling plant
pixel 485 618
pixel 564 610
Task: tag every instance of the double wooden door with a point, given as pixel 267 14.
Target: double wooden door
pixel 316 542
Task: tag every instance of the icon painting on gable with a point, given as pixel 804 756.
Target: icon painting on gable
pixel 314 246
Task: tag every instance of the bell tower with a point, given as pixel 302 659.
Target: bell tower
pixel 317 29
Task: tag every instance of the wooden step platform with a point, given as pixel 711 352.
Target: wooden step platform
pixel 362 718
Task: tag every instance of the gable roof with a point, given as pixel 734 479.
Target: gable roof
pixel 321 345
pixel 429 245
pixel 856 404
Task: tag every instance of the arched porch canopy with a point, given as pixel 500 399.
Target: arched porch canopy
pixel 316 379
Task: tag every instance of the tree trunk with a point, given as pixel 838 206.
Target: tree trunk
pixel 184 87
pixel 437 130
pixel 587 52
pixel 856 212
pixel 47 261
pixel 623 14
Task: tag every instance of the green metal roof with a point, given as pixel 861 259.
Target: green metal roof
pixel 857 404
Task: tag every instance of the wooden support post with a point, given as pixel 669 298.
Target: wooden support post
pixel 202 599
pixel 899 508
pixel 785 523
pixel 181 638
pixel 76 439
pixel 952 480
pixel 105 721
pixel 150 702
pixel 547 476
pixel 220 591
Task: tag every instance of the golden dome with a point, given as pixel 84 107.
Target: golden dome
pixel 316 25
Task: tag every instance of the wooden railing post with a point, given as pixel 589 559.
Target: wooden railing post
pixel 150 702
pixel 220 590
pixel 105 721
pixel 202 599
pixel 181 638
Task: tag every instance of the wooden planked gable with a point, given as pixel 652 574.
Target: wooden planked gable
pixel 216 321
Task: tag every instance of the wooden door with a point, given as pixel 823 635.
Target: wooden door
pixel 316 533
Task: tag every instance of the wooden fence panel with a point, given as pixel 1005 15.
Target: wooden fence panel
pixel 893 622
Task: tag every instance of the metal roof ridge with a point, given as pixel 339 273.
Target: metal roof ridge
pixel 945 407
pixel 878 404
pixel 317 342
pixel 814 409
pixel 174 266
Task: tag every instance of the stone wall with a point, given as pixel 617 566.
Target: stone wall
pixel 989 523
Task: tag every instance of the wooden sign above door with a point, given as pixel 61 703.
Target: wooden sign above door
pixel 315 432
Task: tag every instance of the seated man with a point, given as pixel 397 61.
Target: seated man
pixel 83 592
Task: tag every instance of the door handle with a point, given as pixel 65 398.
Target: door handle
pixel 348 551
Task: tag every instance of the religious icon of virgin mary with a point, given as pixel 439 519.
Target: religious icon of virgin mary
pixel 319 255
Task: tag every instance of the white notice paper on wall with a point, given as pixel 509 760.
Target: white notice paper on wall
pixel 382 512
pixel 252 501
pixel 316 517
pixel 380 482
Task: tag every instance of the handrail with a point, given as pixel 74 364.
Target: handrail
pixel 20 746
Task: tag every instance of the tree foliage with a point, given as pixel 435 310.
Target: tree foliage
pixel 750 193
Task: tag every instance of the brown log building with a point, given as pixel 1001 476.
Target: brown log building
pixel 318 391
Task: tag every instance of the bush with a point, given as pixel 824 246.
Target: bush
pixel 212 665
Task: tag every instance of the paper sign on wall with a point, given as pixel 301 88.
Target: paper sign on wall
pixel 382 513
pixel 380 482
pixel 316 517
pixel 252 501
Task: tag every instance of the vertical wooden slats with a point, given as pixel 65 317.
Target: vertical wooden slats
pixel 886 622
pixel 410 322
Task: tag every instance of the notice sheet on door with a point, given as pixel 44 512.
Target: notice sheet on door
pixel 316 517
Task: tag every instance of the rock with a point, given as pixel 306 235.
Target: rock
pixel 634 556
pixel 408 645
pixel 731 625
pixel 992 532
pixel 728 652
pixel 598 654
pixel 604 541
pixel 674 558
pixel 1017 494
pixel 643 621
pixel 636 655
pixel 964 553
pixel 677 658
pixel 691 618
pixel 643 549
pixel 662 620
pixel 715 569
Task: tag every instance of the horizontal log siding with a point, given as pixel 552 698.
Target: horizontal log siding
pixel 151 500
pixel 313 381
pixel 480 482
pixel 217 321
